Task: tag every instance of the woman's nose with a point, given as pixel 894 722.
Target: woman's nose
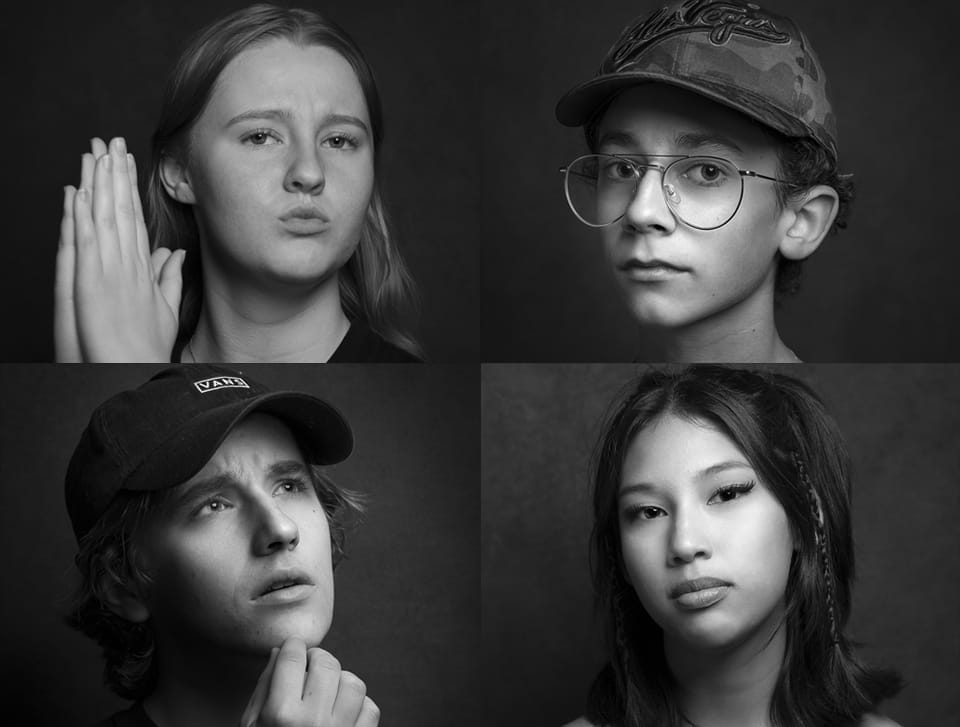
pixel 305 173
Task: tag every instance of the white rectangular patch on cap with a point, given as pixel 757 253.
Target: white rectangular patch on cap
pixel 220 382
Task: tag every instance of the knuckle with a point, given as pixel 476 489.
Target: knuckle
pixel 322 659
pixel 353 683
pixel 371 708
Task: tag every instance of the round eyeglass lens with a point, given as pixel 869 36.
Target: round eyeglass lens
pixel 703 192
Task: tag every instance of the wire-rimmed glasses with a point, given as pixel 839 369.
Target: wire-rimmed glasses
pixel 703 192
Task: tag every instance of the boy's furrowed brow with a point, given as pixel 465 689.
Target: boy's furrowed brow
pixel 286 468
pixel 189 492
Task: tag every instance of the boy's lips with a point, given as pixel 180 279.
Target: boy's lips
pixel 280 579
pixel 650 270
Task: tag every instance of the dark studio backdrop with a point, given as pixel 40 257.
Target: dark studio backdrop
pixel 78 70
pixel 407 614
pixel 882 290
pixel 539 425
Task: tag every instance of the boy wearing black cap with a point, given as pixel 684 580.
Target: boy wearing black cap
pixel 712 173
pixel 207 542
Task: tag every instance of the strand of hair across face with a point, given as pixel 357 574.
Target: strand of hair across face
pixel 821 538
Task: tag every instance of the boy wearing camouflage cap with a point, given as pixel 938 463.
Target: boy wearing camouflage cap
pixel 712 173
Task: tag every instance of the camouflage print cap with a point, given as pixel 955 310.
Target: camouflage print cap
pixel 732 52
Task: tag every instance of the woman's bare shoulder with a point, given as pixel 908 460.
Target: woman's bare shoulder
pixel 877 720
pixel 580 722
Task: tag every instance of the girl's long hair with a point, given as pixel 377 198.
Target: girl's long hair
pixel 374 283
pixel 794 445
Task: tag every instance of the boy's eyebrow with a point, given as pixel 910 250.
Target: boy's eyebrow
pixel 221 480
pixel 697 140
pixel 285 115
pixel 647 487
pixel 620 138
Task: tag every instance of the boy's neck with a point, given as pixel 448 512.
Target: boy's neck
pixel 743 333
pixel 195 693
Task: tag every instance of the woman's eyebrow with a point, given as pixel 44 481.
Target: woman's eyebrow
pixel 285 115
pixel 706 472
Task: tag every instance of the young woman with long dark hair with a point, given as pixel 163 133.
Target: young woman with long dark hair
pixel 722 559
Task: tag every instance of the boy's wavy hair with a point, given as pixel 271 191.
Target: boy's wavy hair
pixel 375 285
pixel 802 164
pixel 110 557
pixel 795 447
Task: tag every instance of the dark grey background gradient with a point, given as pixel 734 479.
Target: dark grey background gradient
pixel 407 613
pixel 540 423
pixel 77 70
pixel 883 290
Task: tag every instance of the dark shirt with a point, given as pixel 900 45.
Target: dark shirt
pixel 361 345
pixel 364 345
pixel 132 717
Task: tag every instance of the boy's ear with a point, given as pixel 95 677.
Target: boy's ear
pixel 176 180
pixel 809 220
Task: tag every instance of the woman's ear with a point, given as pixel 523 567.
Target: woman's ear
pixel 176 180
pixel 809 220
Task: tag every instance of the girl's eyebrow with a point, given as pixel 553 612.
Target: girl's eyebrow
pixel 649 487
pixel 286 116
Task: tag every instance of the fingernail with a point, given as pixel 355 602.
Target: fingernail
pixel 106 161
pixel 82 194
pixel 121 145
pixel 130 159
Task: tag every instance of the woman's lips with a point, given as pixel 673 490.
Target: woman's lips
pixel 305 225
pixel 695 600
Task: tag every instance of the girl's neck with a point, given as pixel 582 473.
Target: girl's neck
pixel 743 333
pixel 729 686
pixel 243 325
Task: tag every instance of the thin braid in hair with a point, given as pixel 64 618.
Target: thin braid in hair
pixel 816 508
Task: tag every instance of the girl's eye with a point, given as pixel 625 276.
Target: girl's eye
pixel 260 137
pixel 643 512
pixel 732 492
pixel 341 141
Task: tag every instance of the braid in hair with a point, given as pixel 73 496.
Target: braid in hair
pixel 821 537
pixel 622 647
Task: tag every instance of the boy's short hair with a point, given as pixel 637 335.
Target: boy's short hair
pixel 138 446
pixel 739 55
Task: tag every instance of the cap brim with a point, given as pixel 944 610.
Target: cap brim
pixel 581 102
pixel 321 431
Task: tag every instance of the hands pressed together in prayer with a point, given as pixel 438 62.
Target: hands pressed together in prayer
pixel 114 301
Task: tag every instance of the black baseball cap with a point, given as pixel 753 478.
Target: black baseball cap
pixel 162 433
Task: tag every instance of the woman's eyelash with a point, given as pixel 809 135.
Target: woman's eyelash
pixel 259 132
pixel 726 493
pixel 729 491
